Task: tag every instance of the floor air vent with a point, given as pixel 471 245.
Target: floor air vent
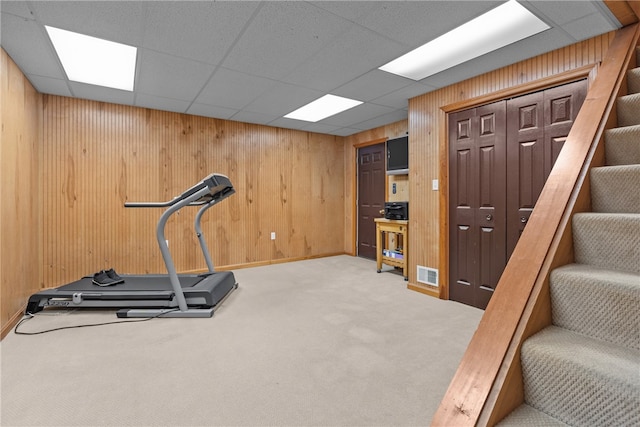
pixel 428 276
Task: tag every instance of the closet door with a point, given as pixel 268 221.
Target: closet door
pixel 500 156
pixel 537 127
pixel 477 200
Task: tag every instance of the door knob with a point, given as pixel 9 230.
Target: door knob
pixel 523 219
pixel 489 217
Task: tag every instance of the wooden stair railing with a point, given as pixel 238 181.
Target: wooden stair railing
pixel 488 382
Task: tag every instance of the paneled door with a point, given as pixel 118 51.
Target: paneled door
pixel 477 161
pixel 537 127
pixel 500 156
pixel 371 184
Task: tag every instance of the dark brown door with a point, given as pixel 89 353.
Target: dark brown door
pixel 500 156
pixel 537 127
pixel 477 156
pixel 371 184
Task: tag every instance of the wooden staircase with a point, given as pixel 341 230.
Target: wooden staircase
pixel 559 342
pixel 584 369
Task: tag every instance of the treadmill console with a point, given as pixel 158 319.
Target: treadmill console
pixel 219 187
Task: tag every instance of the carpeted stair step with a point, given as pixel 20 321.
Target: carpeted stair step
pixel 581 380
pixel 607 240
pixel 633 80
pixel 616 189
pixel 622 145
pixel 528 416
pixel 600 303
pixel 628 108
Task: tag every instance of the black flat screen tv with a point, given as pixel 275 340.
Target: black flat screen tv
pixel 398 156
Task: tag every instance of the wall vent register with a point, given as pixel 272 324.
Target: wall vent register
pixel 428 276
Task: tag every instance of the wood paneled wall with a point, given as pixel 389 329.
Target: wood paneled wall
pixel 19 202
pixel 96 156
pixel 428 225
pixel 85 159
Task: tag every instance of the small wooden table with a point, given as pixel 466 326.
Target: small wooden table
pixel 392 256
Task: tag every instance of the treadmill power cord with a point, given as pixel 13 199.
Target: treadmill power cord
pixel 32 315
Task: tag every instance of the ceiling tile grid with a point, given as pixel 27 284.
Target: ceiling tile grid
pixel 255 61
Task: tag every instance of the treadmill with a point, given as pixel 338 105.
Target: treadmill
pixel 161 295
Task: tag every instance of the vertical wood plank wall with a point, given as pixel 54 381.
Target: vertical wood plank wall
pixel 96 156
pixel 19 202
pixel 91 157
pixel 428 150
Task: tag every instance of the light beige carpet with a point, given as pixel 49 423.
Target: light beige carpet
pixel 319 342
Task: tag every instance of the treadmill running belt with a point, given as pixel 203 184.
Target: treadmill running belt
pixel 132 283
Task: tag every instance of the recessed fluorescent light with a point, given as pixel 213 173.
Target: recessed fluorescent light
pixel 322 108
pixel 506 24
pixel 94 61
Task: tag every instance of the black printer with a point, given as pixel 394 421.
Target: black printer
pixel 396 210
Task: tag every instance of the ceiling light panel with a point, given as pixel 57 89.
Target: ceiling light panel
pixel 501 26
pixel 322 108
pixel 94 61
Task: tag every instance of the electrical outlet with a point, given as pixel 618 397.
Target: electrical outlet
pixel 434 185
pixel 273 235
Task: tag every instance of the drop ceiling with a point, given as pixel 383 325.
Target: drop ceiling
pixel 255 62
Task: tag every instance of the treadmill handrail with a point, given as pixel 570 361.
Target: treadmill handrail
pixel 148 204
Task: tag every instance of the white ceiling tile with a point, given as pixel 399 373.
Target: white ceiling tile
pixel 414 23
pixel 400 98
pixel 392 117
pixel 344 131
pixel 561 12
pixel 283 99
pixel 283 122
pixel 171 77
pixel 582 28
pixel 211 111
pixel 356 115
pixel 116 21
pixel 351 10
pixel 17 8
pixel 28 45
pixel 372 85
pixel 49 85
pixel 160 103
pixel 250 117
pixel 344 59
pixel 233 89
pixel 104 94
pixel 320 128
pixel 200 30
pixel 281 37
